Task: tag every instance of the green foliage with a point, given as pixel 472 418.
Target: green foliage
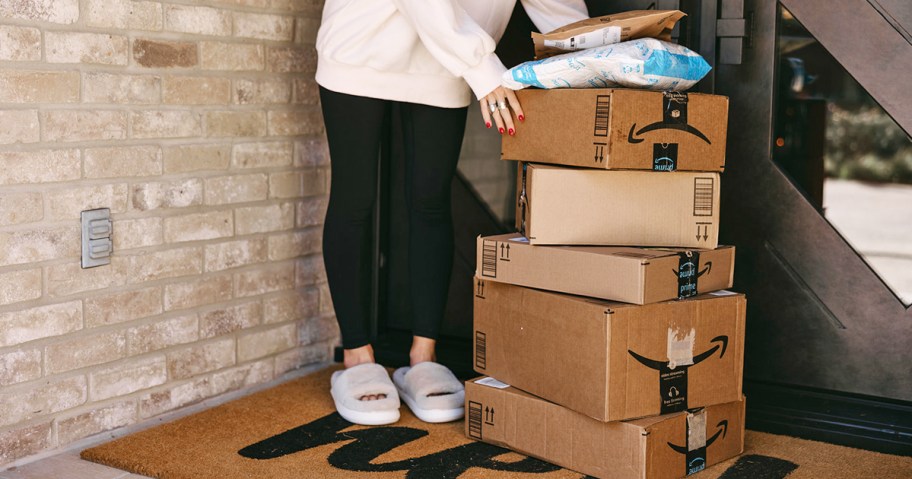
pixel 867 145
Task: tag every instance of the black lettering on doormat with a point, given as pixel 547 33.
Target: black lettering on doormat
pixel 754 466
pixel 673 382
pixel 362 447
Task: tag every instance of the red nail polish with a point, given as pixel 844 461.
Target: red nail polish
pixel 501 131
pixel 522 118
pixel 488 124
pixel 512 132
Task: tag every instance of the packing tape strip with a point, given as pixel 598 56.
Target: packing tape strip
pixel 680 347
pixel 696 430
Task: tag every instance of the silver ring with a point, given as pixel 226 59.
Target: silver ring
pixel 492 107
pixel 502 105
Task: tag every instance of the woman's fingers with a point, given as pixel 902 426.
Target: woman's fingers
pixel 495 111
pixel 514 104
pixel 504 111
pixel 485 111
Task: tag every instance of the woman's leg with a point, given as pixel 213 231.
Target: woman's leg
pixel 433 138
pixel 353 128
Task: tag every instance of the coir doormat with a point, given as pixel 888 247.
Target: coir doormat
pixel 292 432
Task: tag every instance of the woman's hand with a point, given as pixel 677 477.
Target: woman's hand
pixel 496 107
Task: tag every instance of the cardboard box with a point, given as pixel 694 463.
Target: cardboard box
pixel 631 275
pixel 620 129
pixel 611 361
pixel 661 447
pixel 575 206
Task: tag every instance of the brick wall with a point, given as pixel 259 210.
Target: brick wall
pixel 196 122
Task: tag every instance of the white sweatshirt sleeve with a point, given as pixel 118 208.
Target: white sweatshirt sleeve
pixel 549 15
pixel 456 41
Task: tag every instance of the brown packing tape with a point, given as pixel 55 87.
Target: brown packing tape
pixel 633 24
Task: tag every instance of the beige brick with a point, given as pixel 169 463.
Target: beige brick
pixel 230 319
pixel 98 420
pixel 295 184
pixel 302 356
pixel 25 441
pixel 19 366
pixel 41 244
pixel 201 358
pixel 123 14
pixel 165 264
pixel 18 286
pixel 292 306
pixel 85 351
pixel 92 48
pixel 292 245
pixel 190 158
pixel 263 219
pixel 306 30
pixel 235 123
pixel 313 7
pixel 128 378
pixel 167 194
pixel 262 91
pixel 245 3
pixel 326 305
pixel 318 330
pixel 262 155
pixel 137 233
pixel 164 54
pixel 181 90
pixel 236 189
pixel 23 404
pixel 291 59
pixel 199 226
pixel 162 334
pixel 166 124
pixel 25 86
pixel 66 204
pixel 232 254
pixel 311 152
pixel 84 125
pixel 121 307
pixel 311 211
pixel 18 208
pixel 309 270
pixel 198 292
pixel 265 280
pixel 232 56
pixel 42 166
pixel 69 278
pixel 313 182
pixel 243 376
pixel 19 126
pixel 178 396
pixel 197 20
pixel 20 43
pixel 54 11
pixel 264 27
pixel 123 161
pixel 301 121
pixel 265 343
pixel 111 88
pixel 306 91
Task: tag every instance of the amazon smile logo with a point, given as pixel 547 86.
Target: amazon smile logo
pixel 673 379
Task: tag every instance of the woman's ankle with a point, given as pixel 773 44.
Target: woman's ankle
pixel 356 356
pixel 423 350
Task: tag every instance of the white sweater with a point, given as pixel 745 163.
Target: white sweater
pixel 423 51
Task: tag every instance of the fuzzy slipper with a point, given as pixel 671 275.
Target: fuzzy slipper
pixel 431 391
pixel 349 385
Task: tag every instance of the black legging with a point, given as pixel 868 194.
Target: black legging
pixel 432 138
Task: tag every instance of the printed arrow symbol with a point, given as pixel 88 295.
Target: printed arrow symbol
pixel 705 232
pixel 508 251
pixel 698 232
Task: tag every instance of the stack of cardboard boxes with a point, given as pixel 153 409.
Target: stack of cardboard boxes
pixel 608 343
